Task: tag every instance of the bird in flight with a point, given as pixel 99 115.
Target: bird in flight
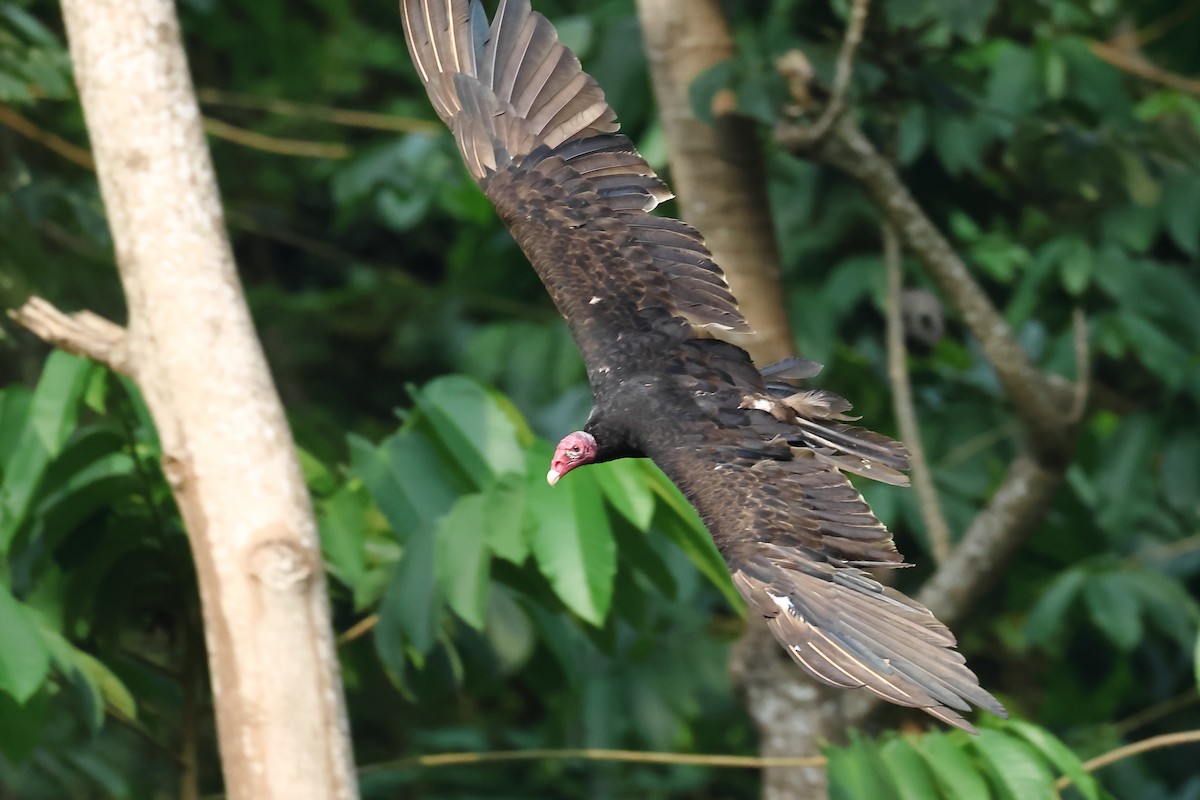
pixel 762 461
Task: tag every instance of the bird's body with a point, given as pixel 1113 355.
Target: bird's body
pixel 761 460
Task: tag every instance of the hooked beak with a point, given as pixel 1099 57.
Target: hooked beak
pixel 552 476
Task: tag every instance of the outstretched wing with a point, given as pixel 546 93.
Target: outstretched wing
pixel 764 468
pixel 536 132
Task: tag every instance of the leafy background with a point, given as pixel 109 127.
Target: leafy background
pixel 426 375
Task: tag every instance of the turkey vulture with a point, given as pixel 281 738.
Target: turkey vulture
pixel 762 461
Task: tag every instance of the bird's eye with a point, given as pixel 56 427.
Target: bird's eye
pixel 574 453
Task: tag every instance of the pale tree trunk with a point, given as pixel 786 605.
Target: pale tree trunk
pixel 227 450
pixel 717 172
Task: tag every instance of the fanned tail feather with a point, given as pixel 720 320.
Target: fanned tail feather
pixel 848 630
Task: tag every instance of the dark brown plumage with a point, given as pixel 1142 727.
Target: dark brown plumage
pixel 760 460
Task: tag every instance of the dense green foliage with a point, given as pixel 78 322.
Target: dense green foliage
pixel 510 616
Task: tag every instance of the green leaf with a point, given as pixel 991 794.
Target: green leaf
pixel 855 772
pixel 318 477
pixel 1132 227
pixel 953 769
pixel 575 32
pixel 93 489
pixel 52 412
pixel 411 609
pixel 1054 71
pixel 1158 350
pixel 112 692
pixel 1076 267
pixel 33 30
pixel 88 694
pixel 1014 768
pixel 405 478
pixel 1059 755
pixel 1180 211
pixel 1165 603
pixel 966 18
pixel 912 135
pixel 505 502
pixel 477 431
pixel 959 143
pixel 635 550
pixel 908 13
pixel 1142 187
pixel 24 659
pixel 342 524
pixel 1013 84
pixel 509 630
pixel 14 416
pixel 679 522
pixel 56 400
pixel 626 488
pixel 462 559
pixel 910 774
pixel 1045 625
pixel 1114 609
pixel 21 725
pixel 572 541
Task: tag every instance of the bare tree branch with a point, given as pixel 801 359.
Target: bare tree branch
pixel 717 170
pixel 841 79
pixel 83 333
pixel 227 451
pixel 975 564
pixel 902 401
pixel 1037 401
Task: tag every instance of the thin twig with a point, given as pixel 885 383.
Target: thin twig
pixel 73 153
pixel 1121 753
pixel 358 629
pixel 583 754
pixel 980 442
pixel 1169 551
pixel 1156 29
pixel 1083 368
pixel 593 754
pixel 215 127
pixel 338 116
pixel 271 144
pixel 1156 712
pixel 902 400
pixel 1136 64
pixel 810 135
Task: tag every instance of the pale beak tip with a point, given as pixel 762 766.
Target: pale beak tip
pixel 552 477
